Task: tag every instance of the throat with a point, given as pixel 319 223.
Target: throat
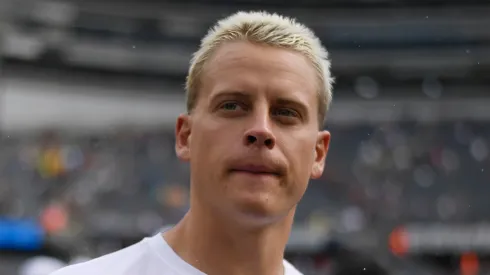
pixel 214 248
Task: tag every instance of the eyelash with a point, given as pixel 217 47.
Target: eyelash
pixel 291 113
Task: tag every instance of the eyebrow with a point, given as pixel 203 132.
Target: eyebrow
pixel 239 94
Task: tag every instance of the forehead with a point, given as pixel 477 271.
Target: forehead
pixel 250 67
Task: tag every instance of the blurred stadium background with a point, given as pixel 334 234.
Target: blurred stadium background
pixel 89 91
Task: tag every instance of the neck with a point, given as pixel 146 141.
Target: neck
pixel 218 248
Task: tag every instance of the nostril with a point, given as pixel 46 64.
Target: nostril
pixel 251 139
pixel 268 142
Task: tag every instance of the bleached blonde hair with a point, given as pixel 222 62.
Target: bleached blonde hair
pixel 267 29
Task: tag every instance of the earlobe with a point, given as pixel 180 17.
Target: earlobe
pixel 182 137
pixel 316 171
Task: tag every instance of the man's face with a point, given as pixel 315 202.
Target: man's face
pixel 252 140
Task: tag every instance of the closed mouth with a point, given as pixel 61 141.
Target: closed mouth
pixel 255 170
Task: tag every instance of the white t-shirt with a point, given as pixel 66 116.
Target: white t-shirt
pixel 151 256
pixel 40 266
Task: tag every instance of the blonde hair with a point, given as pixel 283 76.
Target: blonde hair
pixel 268 29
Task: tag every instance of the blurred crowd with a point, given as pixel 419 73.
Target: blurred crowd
pixel 52 170
pixel 408 172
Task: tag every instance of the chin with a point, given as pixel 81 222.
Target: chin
pixel 258 210
pixel 257 200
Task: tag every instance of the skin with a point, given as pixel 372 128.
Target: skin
pixel 256 111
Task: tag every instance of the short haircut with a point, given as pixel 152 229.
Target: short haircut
pixel 267 29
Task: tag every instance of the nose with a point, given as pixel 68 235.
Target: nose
pixel 260 134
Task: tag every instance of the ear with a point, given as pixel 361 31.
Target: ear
pixel 321 150
pixel 183 137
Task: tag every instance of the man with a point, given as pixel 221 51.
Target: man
pixel 257 93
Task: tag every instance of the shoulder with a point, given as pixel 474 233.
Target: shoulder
pixel 121 262
pixel 289 269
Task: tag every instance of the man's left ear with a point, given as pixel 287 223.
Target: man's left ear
pixel 321 150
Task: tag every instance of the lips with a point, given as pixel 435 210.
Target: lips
pixel 256 169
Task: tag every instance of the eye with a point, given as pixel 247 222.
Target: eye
pixel 230 106
pixel 285 112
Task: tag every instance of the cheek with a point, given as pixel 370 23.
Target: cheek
pixel 301 157
pixel 301 161
pixel 208 144
pixel 203 162
pixel 201 143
